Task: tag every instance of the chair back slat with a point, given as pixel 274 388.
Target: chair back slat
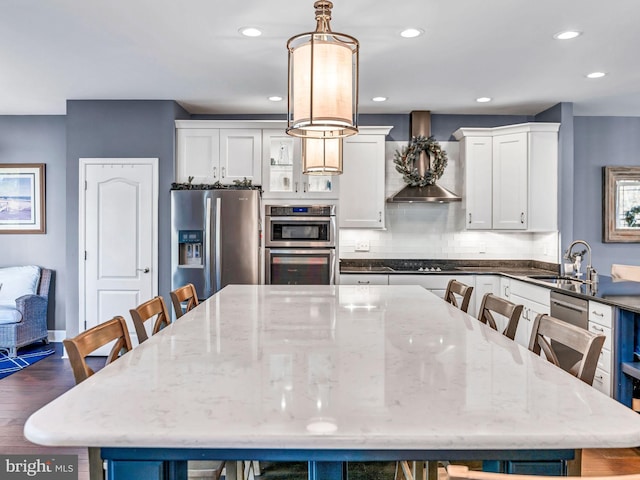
pixel 493 304
pixel 462 472
pixel 547 328
pixel 147 311
pixel 186 293
pixel 87 342
pixel 455 288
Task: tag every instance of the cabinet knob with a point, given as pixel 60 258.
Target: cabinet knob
pixel 223 172
pixel 522 217
pixel 597 329
pixel 597 313
pixel 296 187
pixel 143 270
pixel 362 282
pixel 304 187
pixel 469 218
pixel 215 172
pixel 380 217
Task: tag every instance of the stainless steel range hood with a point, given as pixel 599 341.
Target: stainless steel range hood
pixel 421 125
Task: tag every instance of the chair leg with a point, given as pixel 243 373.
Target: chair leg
pixel 96 465
pixel 406 470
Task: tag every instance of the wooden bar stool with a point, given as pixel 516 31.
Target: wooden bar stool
pixel 547 329
pixel 492 304
pixel 455 289
pixel 147 311
pixel 80 347
pixel 186 293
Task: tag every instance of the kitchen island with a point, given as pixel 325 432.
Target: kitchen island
pixel 331 374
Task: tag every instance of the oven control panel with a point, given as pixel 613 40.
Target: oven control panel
pixel 302 210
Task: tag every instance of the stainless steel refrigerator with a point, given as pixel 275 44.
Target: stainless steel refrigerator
pixel 215 239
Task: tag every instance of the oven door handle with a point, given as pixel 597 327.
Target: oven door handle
pixel 299 219
pixel 568 306
pixel 300 251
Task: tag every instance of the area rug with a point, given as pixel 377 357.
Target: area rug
pixel 26 356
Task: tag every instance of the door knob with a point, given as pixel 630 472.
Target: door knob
pixel 143 270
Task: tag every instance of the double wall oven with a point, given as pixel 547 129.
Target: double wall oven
pixel 300 244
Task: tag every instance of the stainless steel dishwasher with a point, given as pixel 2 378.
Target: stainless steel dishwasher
pixel 574 311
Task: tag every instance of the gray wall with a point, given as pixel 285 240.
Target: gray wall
pixel 126 129
pixel 146 129
pixel 600 141
pixel 563 113
pixel 40 139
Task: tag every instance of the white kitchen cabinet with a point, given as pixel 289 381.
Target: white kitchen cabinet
pixel 535 300
pixel 362 195
pixel 282 170
pixel 601 322
pixel 511 177
pixel 434 283
pixel 364 279
pixel 509 174
pixel 477 199
pixel 209 154
pixel 483 284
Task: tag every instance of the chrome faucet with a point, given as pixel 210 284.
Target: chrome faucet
pixel 592 275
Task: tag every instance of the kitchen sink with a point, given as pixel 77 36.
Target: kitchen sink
pixel 568 283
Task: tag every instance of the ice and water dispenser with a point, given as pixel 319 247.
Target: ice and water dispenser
pixel 190 248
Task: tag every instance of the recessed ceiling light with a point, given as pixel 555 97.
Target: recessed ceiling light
pixel 250 31
pixel 411 32
pixel 379 99
pixel 567 35
pixel 275 98
pixel 483 99
pixel 596 75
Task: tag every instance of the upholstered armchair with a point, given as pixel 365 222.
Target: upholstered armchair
pixel 26 322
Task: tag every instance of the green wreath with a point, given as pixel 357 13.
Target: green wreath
pixel 632 217
pixel 405 161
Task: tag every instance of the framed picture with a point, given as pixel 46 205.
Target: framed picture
pixel 621 206
pixel 22 198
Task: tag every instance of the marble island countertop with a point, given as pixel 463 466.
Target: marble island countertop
pixel 333 367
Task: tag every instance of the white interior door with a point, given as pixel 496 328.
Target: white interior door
pixel 118 230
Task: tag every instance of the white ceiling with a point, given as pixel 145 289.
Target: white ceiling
pixel 190 51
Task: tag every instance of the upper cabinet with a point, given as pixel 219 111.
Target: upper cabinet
pixel 282 170
pixel 511 176
pixel 362 196
pixel 211 152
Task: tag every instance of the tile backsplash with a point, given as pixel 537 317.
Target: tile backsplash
pixel 438 230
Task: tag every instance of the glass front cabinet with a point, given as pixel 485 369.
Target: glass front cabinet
pixel 282 175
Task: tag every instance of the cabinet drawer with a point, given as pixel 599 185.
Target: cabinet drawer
pixel 430 282
pixel 602 382
pixel 604 361
pixel 600 313
pixel 599 329
pixel 364 279
pixel 531 292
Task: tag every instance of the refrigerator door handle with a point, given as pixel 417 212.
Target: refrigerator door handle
pixel 218 244
pixel 208 291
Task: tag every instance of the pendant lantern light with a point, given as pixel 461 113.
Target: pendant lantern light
pixel 323 81
pixel 322 156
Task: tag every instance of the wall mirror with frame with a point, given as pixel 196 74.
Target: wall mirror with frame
pixel 621 204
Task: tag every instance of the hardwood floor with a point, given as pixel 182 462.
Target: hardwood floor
pixel 26 391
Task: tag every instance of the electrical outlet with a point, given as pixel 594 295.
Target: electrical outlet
pixel 362 246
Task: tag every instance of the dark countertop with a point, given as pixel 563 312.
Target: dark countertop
pixel 624 295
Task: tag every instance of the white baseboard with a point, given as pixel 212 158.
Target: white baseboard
pixel 57 335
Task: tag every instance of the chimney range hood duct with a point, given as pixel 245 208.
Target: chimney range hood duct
pixel 421 125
